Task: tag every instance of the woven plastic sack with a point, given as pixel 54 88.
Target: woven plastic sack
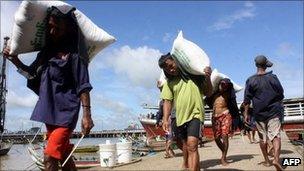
pixel 30 24
pixel 189 55
pixel 216 78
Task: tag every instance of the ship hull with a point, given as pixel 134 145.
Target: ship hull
pixel 293 123
pixel 151 129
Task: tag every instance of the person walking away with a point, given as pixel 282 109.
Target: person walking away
pixel 250 128
pixel 266 93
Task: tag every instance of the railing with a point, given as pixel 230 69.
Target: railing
pixel 208 115
pixel 115 131
pixel 295 109
pixel 293 112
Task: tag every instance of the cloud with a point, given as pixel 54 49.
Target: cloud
pixel 285 50
pixel 146 38
pixel 288 66
pixel 227 22
pixel 8 9
pixel 139 65
pixel 21 122
pixel 15 100
pixel 249 4
pixel 112 114
pixel 167 37
pixel 291 78
pixel 111 105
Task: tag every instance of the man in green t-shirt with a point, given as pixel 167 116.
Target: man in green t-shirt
pixel 186 94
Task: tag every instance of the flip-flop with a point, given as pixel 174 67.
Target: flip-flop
pixel 265 164
pixel 166 156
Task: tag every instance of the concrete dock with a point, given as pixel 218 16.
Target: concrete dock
pixel 241 156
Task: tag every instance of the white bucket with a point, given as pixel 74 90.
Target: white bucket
pixel 107 154
pixel 124 152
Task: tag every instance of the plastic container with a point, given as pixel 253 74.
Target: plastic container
pixel 124 152
pixel 107 154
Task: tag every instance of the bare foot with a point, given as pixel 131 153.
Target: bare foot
pixel 277 166
pixel 264 163
pixel 171 153
pixel 167 156
pixel 184 167
pixel 224 162
pixel 270 153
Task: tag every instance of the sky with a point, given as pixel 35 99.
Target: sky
pixel 124 74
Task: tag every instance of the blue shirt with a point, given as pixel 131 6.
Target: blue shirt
pixel 266 93
pixel 58 83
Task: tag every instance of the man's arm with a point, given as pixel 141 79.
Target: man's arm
pixel 207 87
pixel 28 72
pixel 87 122
pixel 248 95
pixel 166 111
pixel 13 58
pixel 246 116
pixel 279 88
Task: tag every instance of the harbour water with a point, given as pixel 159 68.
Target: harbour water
pixel 18 157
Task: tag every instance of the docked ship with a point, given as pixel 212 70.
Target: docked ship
pixel 293 123
pixel 149 123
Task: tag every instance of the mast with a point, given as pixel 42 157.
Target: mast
pixel 3 89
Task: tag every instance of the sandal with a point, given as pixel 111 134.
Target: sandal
pixel 265 164
pixel 166 156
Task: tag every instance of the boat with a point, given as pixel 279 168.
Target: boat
pixel 293 123
pixel 87 149
pixel 157 132
pixel 81 163
pixel 149 125
pixel 294 118
pixel 5 147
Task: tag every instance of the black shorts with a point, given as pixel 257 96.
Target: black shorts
pixel 191 128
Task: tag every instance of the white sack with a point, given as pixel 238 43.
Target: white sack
pixel 189 55
pixel 162 79
pixel 29 35
pixel 216 78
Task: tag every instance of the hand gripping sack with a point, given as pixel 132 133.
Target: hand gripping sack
pixel 30 24
pixel 190 56
pixel 216 78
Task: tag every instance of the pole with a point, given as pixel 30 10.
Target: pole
pixel 3 88
pixel 73 150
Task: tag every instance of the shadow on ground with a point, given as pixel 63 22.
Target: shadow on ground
pixel 226 169
pixel 231 159
pixel 178 154
pixel 286 151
